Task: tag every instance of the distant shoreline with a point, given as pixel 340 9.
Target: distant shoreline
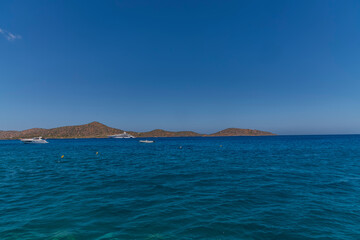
pixel 80 138
pixel 99 130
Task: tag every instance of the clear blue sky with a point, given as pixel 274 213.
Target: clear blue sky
pixel 291 67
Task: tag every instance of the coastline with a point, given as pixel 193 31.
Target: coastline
pixel 99 130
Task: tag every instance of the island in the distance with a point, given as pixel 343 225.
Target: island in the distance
pixel 99 130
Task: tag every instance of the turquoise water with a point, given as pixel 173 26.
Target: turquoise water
pixel 281 187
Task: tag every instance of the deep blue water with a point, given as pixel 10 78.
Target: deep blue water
pixel 281 187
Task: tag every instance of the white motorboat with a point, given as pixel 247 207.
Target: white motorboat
pixel 34 140
pixel 122 135
pixel 146 141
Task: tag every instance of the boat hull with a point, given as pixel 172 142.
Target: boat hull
pixel 146 141
pixel 32 141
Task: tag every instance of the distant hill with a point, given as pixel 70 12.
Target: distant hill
pixel 90 130
pixel 240 132
pixel 99 130
pixel 163 133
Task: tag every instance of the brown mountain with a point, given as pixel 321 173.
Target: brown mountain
pixel 90 130
pixel 163 133
pixel 99 130
pixel 241 132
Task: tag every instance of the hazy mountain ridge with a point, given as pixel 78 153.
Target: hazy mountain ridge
pixel 241 132
pixel 99 130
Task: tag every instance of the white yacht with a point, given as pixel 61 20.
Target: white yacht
pixel 122 135
pixel 34 140
pixel 146 141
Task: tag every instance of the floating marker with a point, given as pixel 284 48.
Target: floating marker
pixel 97 153
pixel 220 145
pixel 62 156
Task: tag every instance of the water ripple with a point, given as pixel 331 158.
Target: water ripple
pixel 285 187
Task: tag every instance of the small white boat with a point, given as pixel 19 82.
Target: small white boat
pixel 34 140
pixel 146 141
pixel 123 135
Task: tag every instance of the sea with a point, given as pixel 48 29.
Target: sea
pixel 213 188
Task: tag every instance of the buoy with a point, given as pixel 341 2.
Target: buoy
pixel 97 153
pixel 220 145
pixel 62 156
